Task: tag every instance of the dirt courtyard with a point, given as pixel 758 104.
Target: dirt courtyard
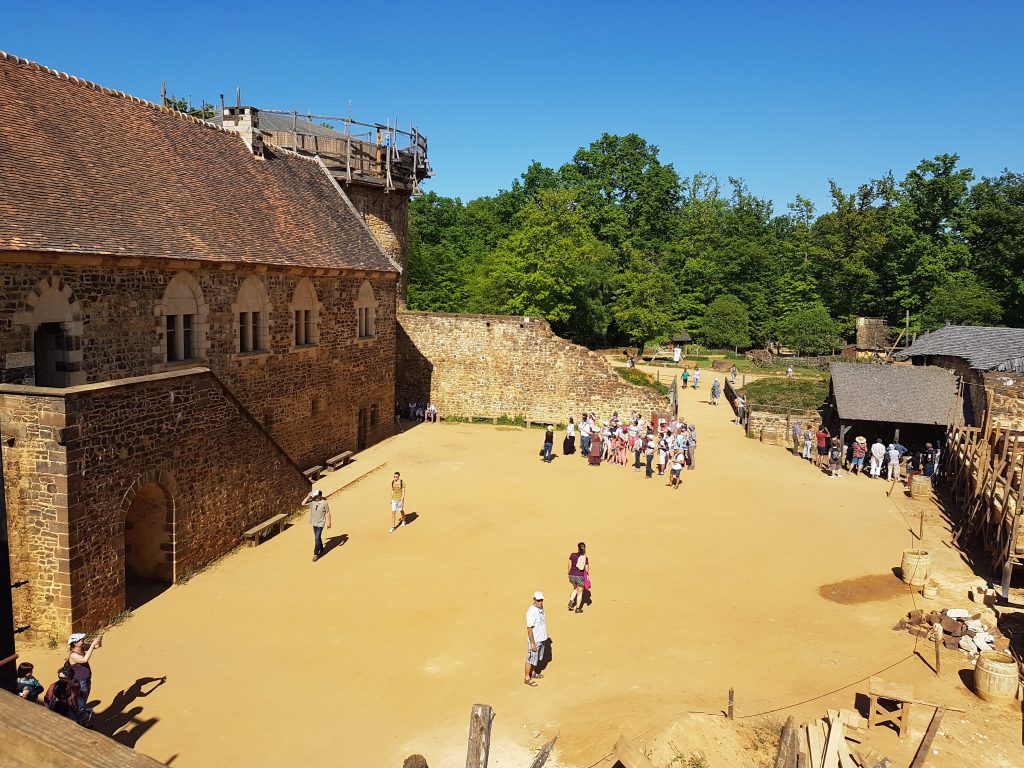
pixel 742 578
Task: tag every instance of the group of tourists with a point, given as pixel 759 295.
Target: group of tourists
pixel 69 694
pixel 416 412
pixel 892 461
pixel 667 446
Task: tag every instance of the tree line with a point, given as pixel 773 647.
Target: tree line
pixel 614 246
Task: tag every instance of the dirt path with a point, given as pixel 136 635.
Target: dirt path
pixel 380 649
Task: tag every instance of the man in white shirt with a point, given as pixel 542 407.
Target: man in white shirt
pixel 536 636
pixel 585 429
pixel 877 454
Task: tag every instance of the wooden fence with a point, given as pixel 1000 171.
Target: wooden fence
pixel 983 467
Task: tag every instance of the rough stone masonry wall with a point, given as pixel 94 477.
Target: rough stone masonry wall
pixel 36 489
pixel 387 216
pixel 307 397
pixel 1006 398
pixel 493 366
pixel 180 430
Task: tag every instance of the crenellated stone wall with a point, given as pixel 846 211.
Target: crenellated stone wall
pixel 76 459
pixel 308 397
pixel 484 365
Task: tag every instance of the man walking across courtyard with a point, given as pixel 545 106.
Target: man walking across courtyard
pixel 319 516
pixel 536 637
pixel 397 501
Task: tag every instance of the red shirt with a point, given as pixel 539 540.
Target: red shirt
pixel 822 438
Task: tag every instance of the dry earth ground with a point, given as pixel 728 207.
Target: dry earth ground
pixel 380 649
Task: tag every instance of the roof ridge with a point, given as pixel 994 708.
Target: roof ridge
pixel 90 85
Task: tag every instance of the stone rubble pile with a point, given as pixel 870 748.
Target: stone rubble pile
pixel 960 630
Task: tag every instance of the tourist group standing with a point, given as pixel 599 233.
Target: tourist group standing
pixel 878 459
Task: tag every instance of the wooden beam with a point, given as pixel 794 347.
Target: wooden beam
pixel 785 743
pixel 627 753
pixel 480 720
pixel 544 754
pixel 929 736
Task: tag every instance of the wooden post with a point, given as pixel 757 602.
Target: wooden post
pixel 479 736
pixel 731 702
pixel 937 631
pixel 785 743
pixel 920 533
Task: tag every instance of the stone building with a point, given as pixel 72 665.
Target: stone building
pixel 989 363
pixel 189 317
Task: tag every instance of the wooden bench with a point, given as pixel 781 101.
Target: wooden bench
pixel 340 460
pixel 254 534
pixel 313 473
pixel 882 694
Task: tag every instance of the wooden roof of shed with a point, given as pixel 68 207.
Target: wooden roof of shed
pixel 85 169
pixel 896 394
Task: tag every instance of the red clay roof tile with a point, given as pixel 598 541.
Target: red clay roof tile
pixel 85 169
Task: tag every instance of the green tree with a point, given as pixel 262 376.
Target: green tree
pixel 962 300
pixel 626 192
pixel 643 300
pixel 726 323
pixel 551 266
pixel 809 329
pixel 997 240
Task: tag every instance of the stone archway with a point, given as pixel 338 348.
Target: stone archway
pixel 54 327
pixel 148 541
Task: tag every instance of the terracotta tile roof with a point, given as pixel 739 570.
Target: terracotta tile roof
pixel 898 394
pixel 85 169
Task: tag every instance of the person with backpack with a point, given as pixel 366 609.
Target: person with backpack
pixel 835 457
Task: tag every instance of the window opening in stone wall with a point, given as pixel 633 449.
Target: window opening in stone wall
pixel 366 309
pixel 373 415
pixel 50 346
pixel 364 428
pixel 304 314
pixel 253 310
pixel 184 320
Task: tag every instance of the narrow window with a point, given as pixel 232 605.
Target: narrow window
pixel 186 337
pixel 256 339
pixel 172 340
pixel 243 331
pixel 307 326
pixel 298 328
pixel 373 415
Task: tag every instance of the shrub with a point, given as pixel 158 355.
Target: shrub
pixel 641 379
pixel 786 394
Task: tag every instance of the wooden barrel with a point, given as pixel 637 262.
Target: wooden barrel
pixel 995 676
pixel 916 567
pixel 920 487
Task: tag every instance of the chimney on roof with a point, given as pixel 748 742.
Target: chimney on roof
pixel 245 121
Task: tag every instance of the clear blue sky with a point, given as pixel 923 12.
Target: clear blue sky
pixel 784 95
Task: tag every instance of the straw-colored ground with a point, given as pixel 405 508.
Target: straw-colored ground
pixel 380 649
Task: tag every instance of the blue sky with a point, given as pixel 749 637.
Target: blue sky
pixel 784 95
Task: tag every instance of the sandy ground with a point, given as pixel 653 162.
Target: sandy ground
pixel 380 649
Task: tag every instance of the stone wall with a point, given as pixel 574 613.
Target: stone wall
pixel 387 216
pixel 761 424
pixel 94 448
pixel 469 365
pixel 308 397
pixel 1006 398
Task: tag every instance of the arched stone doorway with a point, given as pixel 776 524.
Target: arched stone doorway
pixel 148 543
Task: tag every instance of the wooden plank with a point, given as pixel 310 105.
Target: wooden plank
pixel 480 720
pixel 544 754
pixel 627 753
pixel 845 759
pixel 929 736
pixel 893 691
pixel 785 742
pixel 835 735
pixel 814 745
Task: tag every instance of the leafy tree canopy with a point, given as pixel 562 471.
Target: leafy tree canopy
pixel 809 329
pixel 726 323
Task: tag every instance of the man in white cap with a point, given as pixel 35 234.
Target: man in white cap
pixel 319 516
pixel 536 636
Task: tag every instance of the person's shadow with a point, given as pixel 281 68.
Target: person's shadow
pixel 334 541
pixel 548 657
pixel 117 716
pixel 411 517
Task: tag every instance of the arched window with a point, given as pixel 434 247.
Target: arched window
pixel 253 312
pixel 366 312
pixel 184 320
pixel 305 314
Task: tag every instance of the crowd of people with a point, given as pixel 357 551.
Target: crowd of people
pixel 892 461
pixel 668 446
pixel 416 412
pixel 68 695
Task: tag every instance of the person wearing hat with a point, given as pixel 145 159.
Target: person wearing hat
pixel 893 466
pixel 860 450
pixel 549 442
pixel 536 638
pixel 79 658
pixel 319 516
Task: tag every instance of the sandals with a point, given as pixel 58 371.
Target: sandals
pixel 538 676
pixel 530 683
